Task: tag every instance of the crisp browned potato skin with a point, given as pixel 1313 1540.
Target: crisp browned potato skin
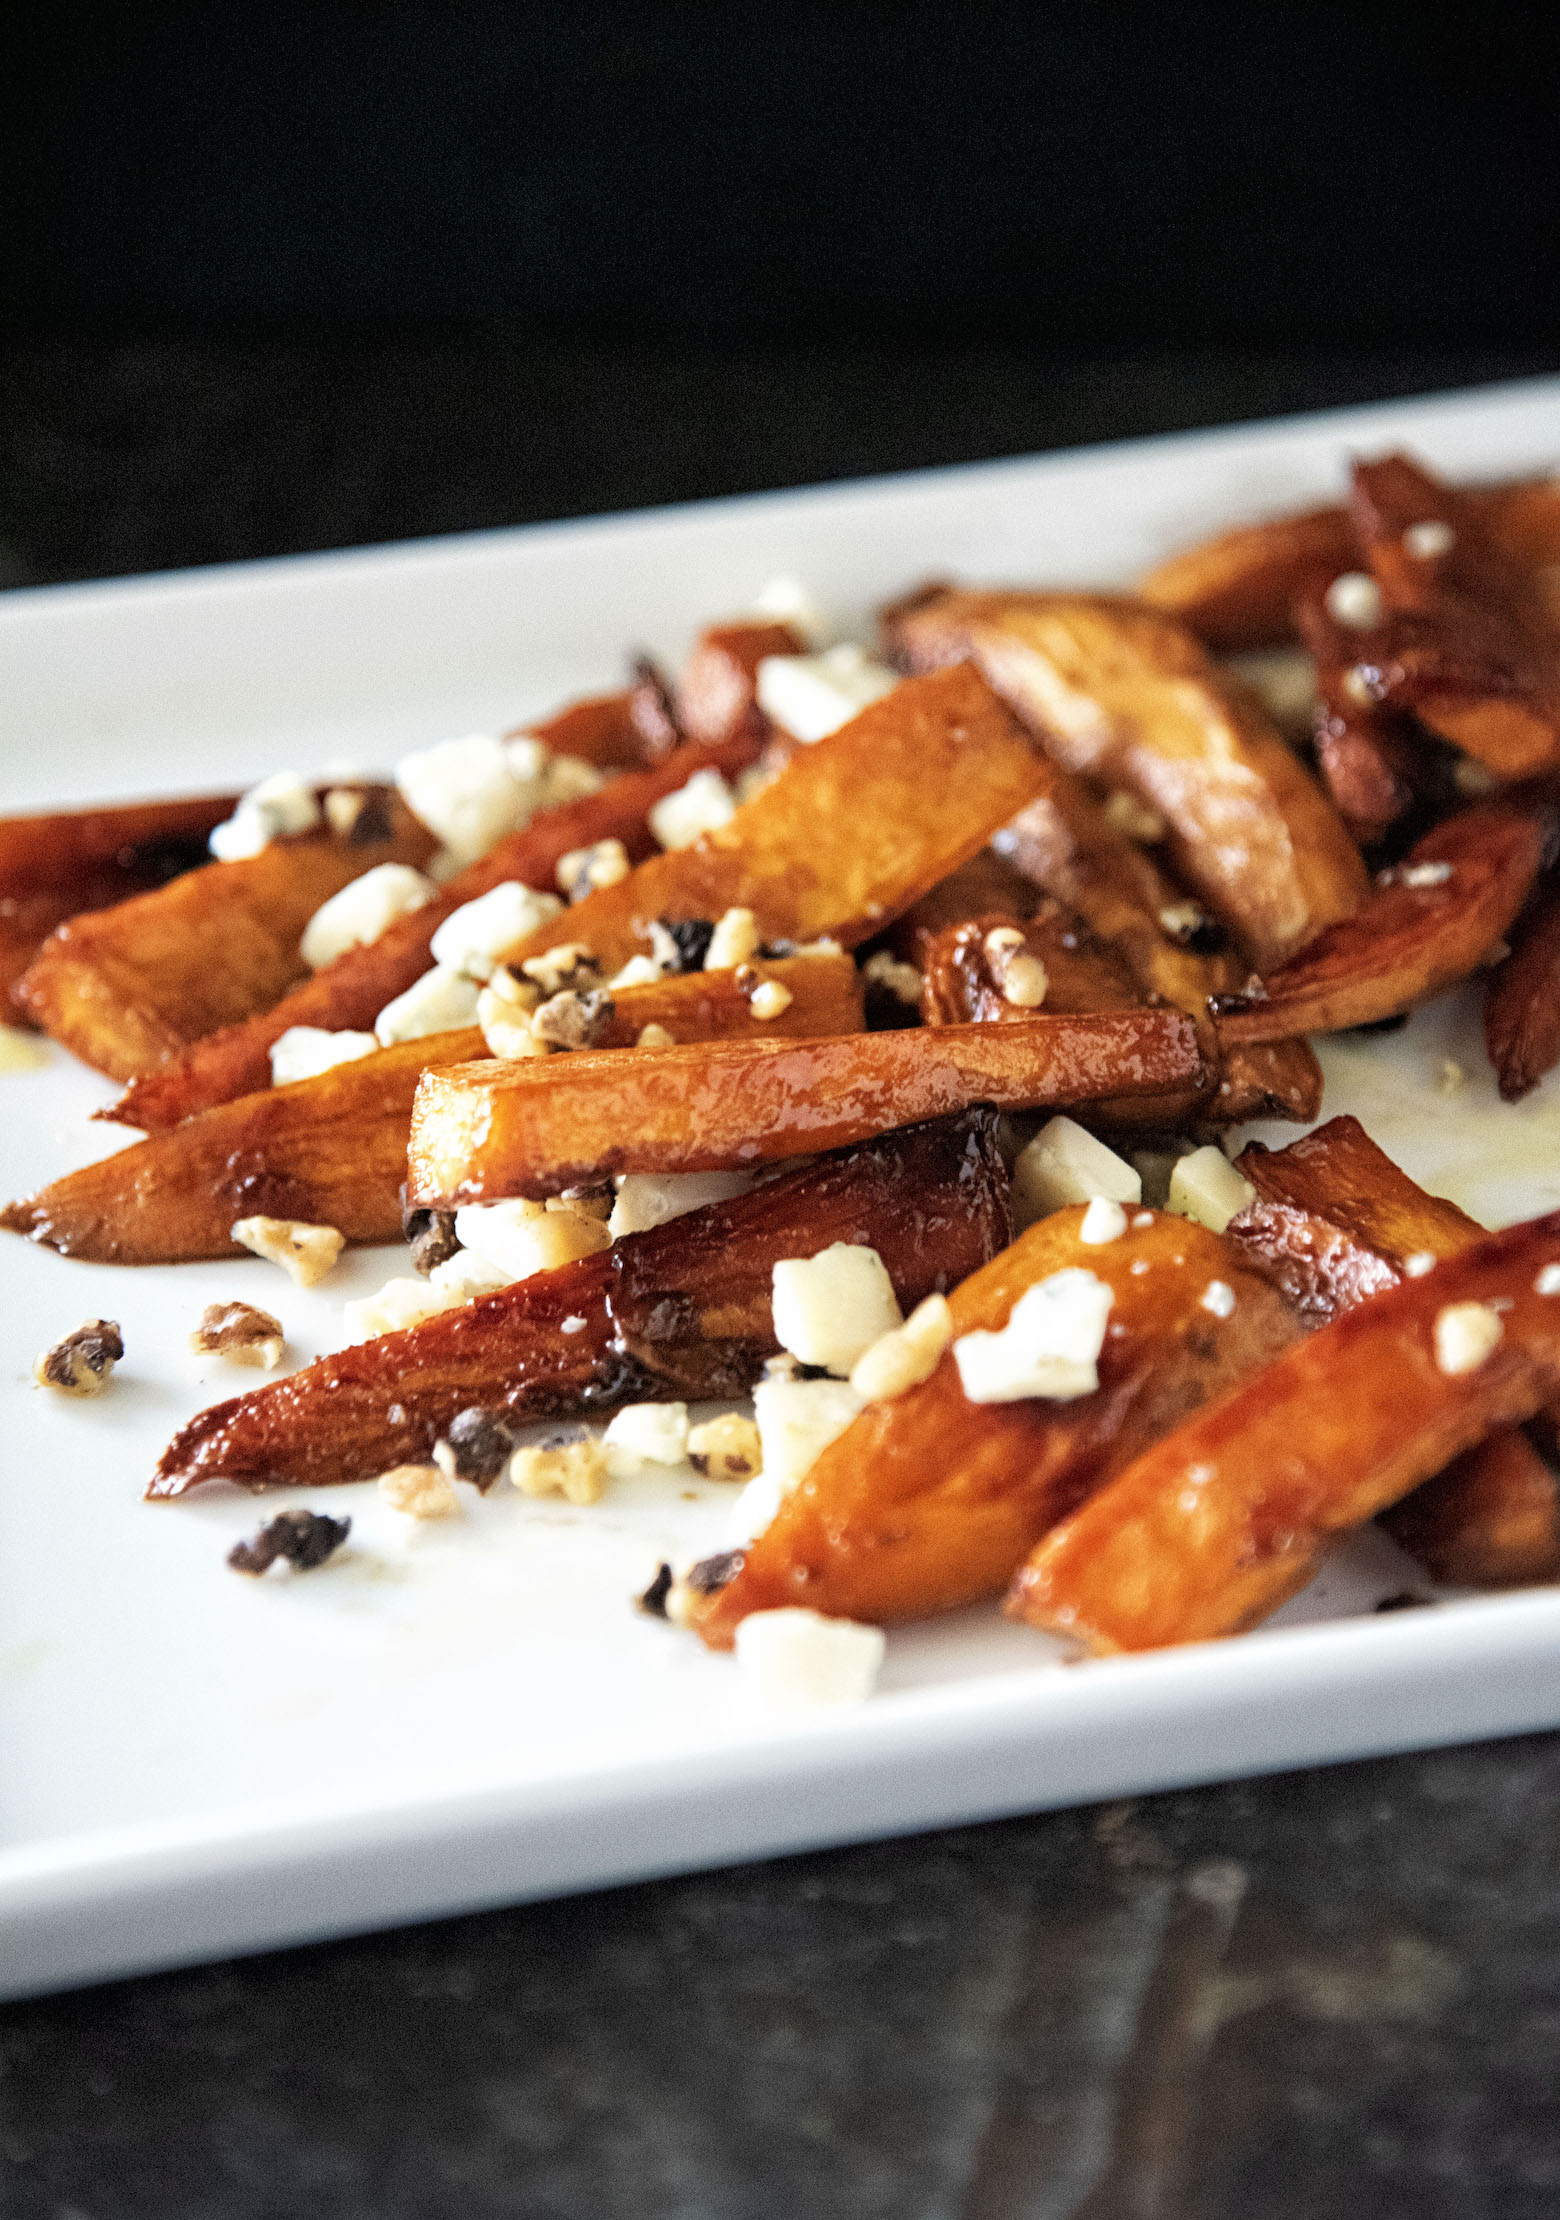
pixel 684 1310
pixel 1407 942
pixel 1116 691
pixel 1522 1001
pixel 931 1501
pixel 717 696
pixel 347 995
pixel 127 987
pixel 1210 1529
pixel 332 1150
pixel 1366 760
pixel 481 1131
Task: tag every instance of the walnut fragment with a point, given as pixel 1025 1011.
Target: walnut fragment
pixel 83 1362
pixel 306 1253
pixel 239 1332
pixel 302 1539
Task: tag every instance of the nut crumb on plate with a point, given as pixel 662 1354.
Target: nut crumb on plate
pixel 570 1465
pixel 239 1332
pixel 305 1252
pixel 476 1447
pixel 302 1539
pixel 420 1491
pixel 82 1363
pixel 726 1448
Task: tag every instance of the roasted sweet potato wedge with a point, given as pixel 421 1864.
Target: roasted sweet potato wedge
pixel 1469 640
pixel 1490 1520
pixel 1430 921
pixel 1211 1528
pixel 1522 1001
pixel 680 1311
pixel 621 732
pixel 932 1501
pixel 717 698
pixel 1120 693
pixel 332 1150
pixel 1365 758
pixel 62 865
pixel 481 1131
pixel 348 995
pixel 126 988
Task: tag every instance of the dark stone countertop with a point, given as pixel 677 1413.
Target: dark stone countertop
pixel 1331 1991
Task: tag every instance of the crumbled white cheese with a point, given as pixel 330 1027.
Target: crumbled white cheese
pixel 304 1051
pixel 1205 1186
pixel 770 999
pixel 1548 1281
pixel 726 1448
pixel 520 1238
pixel 1465 1334
pixel 906 1355
pixel 305 1252
pixel 577 1470
pixel 1354 599
pixel 792 1656
pixel 399 1303
pixel 650 1433
pixel 466 794
pixel 1020 978
pixel 465 1276
pixel 1126 814
pixel 810 696
pixel 1142 1220
pixel 1183 921
pixel 1428 540
pixel 797 1420
pixel 1421 874
pixel 788 601
pixel 830 1308
pixel 639 971
pixel 902 980
pixel 473 939
pixel 506 1026
pixel 583 870
pixel 703 805
pixel 1219 1297
pixel 278 807
pixel 362 911
pixel 439 1002
pixel 1103 1221
pixel 1049 1347
pixel 735 938
pixel 1416 1266
pixel 755 1507
pixel 569 778
pixel 646 1199
pixel 1065 1164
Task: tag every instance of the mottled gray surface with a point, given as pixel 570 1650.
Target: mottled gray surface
pixel 1333 1991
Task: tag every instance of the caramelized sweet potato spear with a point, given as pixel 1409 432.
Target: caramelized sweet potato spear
pixel 332 1150
pixel 931 1501
pixel 1429 922
pixel 1490 1520
pixel 1365 759
pixel 347 995
pixel 62 865
pixel 126 988
pixel 1210 1529
pixel 621 732
pixel 1469 640
pixel 1119 693
pixel 683 1310
pixel 717 698
pixel 480 1131
pixel 1522 1001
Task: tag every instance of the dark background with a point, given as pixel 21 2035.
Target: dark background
pixel 283 276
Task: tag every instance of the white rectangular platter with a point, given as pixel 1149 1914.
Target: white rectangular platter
pixel 192 1764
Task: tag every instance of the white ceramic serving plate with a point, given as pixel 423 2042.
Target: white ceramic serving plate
pixel 192 1763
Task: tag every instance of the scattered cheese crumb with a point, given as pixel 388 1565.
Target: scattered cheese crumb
pixel 787 601
pixel 1548 1281
pixel 1465 1335
pixel 1142 1220
pixel 304 1051
pixel 639 971
pixel 305 1252
pixel 1049 1347
pixel 650 1433
pixel 584 871
pixel 770 999
pixel 811 696
pixel 1428 540
pixel 363 911
pixel 277 808
pixel 398 1304
pixel 654 1036
pixel 83 1362
pixel 726 1448
pixel 466 1277
pixel 1183 921
pixel 703 805
pixel 735 938
pixel 1416 1266
pixel 901 980
pixel 466 793
pixel 757 1506
pixel 797 1420
pixel 646 1199
pixel 568 965
pixel 830 1308
pixel 1103 1221
pixel 1065 1164
pixel 906 1355
pixel 573 1467
pixel 792 1656
pixel 439 1002
pixel 1219 1297
pixel 474 938
pixel 420 1491
pixel 507 1027
pixel 1354 599
pixel 1206 1187
pixel 522 1238
pixel 1450 1077
pixel 1420 874
pixel 1135 819
pixel 240 1333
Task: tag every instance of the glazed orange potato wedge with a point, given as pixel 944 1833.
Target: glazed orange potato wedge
pixel 126 988
pixel 717 696
pixel 481 1131
pixel 621 732
pixel 332 1150
pixel 347 995
pixel 683 1310
pixel 1366 762
pixel 1522 1002
pixel 931 1501
pixel 62 865
pixel 1434 920
pixel 1336 1222
pixel 1210 1529
pixel 1119 693
pixel 1469 641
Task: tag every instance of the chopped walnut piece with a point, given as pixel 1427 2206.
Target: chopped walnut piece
pixel 885 970
pixel 570 964
pixel 421 1491
pixel 654 1036
pixel 83 1362
pixel 240 1333
pixel 711 1573
pixel 726 1448
pixel 653 1601
pixel 770 999
pixel 905 1356
pixel 303 1539
pixel 583 870
pixel 570 1465
pixel 476 1448
pixel 1020 978
pixel 359 814
pixel 679 944
pixel 574 1020
pixel 306 1253
pixel 431 1234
